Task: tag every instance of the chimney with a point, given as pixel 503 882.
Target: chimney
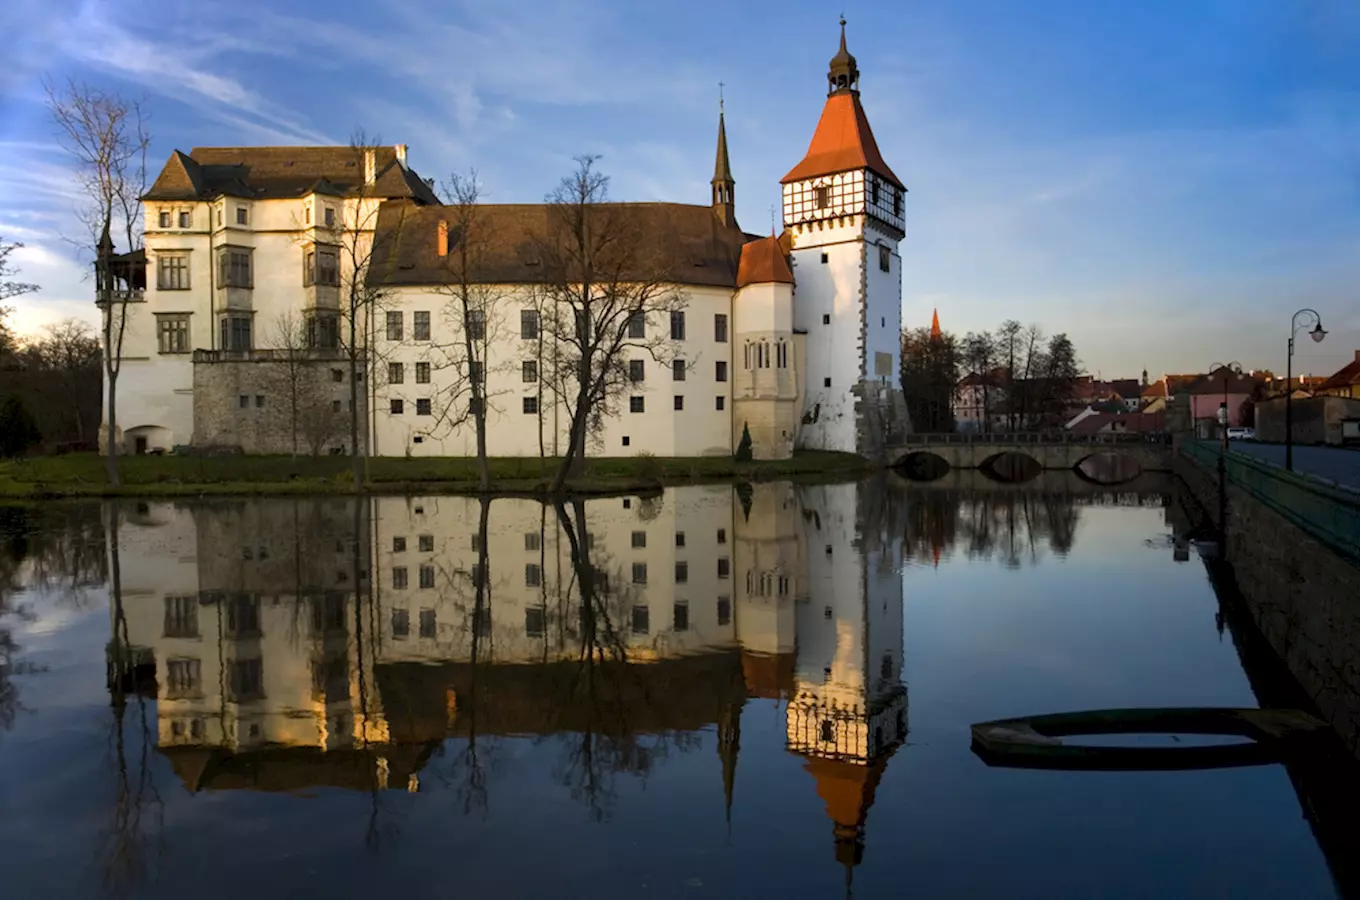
pixel 401 154
pixel 1357 355
pixel 442 241
pixel 370 165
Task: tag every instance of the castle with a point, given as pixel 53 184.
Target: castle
pixel 236 338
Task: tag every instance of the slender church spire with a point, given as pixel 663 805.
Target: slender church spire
pixel 724 185
pixel 935 333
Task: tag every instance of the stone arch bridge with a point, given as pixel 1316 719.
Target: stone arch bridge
pixel 1151 452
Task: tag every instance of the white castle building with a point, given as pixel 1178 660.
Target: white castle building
pixel 795 337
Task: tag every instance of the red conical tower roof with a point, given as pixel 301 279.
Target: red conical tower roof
pixel 935 332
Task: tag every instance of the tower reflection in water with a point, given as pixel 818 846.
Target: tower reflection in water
pixel 332 642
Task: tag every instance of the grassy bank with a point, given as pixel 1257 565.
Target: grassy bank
pixel 82 475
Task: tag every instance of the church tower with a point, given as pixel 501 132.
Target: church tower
pixel 724 185
pixel 843 207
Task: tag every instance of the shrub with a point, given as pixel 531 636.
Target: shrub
pixel 18 431
pixel 743 453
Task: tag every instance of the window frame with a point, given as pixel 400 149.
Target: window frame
pixel 180 325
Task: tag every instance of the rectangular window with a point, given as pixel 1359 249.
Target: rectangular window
pixel 884 258
pixel 338 376
pixel 678 325
pixel 535 621
pixel 183 677
pixel 724 567
pixel 247 679
pixel 639 573
pixel 678 370
pixel 826 258
pixel 323 331
pixel 873 193
pixel 724 611
pixel 637 325
pixel 394 326
pixel 680 617
pixel 720 328
pixel 321 265
pixel 164 218
pixel 428 623
pixel 532 541
pixel 681 572
pixel 637 405
pixel 427 577
pixel 401 624
pixel 329 217
pixel 533 575
pixel 476 324
pixel 423 407
pixel 181 616
pixel 243 401
pixel 399 544
pixel 420 325
pixel 236 333
pixel 781 355
pixel 172 333
pixel 823 197
pixel 172 271
pixel 641 620
pixel 477 372
pixel 639 539
pixel 233 267
pixel 637 370
pixel 720 370
pixel 259 401
pixel 426 543
pixel 422 373
pixel 679 539
pixel 720 402
pixel 396 373
pixel 185 218
pixel 399 579
pixel 530 405
pixel 395 406
pixel 679 401
pixel 897 203
pixel 243 616
pixel 241 215
pixel 722 535
pixel 528 324
pixel 528 371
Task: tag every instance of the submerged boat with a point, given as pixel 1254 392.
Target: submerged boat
pixel 1037 742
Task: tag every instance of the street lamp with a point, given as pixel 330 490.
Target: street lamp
pixel 1317 333
pixel 1232 368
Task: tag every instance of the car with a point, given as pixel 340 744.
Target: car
pixel 1241 434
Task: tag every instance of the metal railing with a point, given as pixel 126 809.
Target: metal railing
pixel 1331 515
pixel 1020 438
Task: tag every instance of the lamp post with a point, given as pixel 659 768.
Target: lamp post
pixel 1317 333
pixel 1232 368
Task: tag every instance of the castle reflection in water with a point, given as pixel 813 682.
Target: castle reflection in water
pixel 313 642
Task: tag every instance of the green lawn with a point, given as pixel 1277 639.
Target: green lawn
pixel 77 475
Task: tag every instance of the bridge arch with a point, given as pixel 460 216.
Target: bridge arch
pixel 1108 466
pixel 1011 466
pixel 922 465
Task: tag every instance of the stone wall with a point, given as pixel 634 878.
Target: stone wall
pixel 1303 596
pixel 1316 420
pixel 247 400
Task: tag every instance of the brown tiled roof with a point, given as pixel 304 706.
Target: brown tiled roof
pixel 1347 375
pixel 681 243
pixel 763 262
pixel 271 173
pixel 1131 421
pixel 842 142
pixel 1213 384
pixel 1127 388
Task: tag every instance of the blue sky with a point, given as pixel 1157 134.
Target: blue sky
pixel 1167 180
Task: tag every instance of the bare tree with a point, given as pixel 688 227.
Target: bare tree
pixel 608 294
pixel 472 311
pixel 311 412
pixel 360 299
pixel 105 135
pixel 9 288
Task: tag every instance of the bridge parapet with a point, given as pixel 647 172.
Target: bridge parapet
pixel 1050 449
pixel 1019 438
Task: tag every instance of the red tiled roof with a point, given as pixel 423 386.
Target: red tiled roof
pixel 763 262
pixel 1139 422
pixel 1349 374
pixel 842 142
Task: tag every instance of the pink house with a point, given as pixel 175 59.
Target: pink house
pixel 1210 392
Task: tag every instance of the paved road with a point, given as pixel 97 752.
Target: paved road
pixel 1333 463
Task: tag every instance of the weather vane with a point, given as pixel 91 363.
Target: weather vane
pixel 721 85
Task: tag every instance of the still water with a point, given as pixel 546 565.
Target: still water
pixel 720 691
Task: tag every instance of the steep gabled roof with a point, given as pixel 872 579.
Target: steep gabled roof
pixel 842 142
pixel 676 242
pixel 1346 376
pixel 763 262
pixel 271 173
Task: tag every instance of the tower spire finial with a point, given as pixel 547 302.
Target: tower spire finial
pixel 844 74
